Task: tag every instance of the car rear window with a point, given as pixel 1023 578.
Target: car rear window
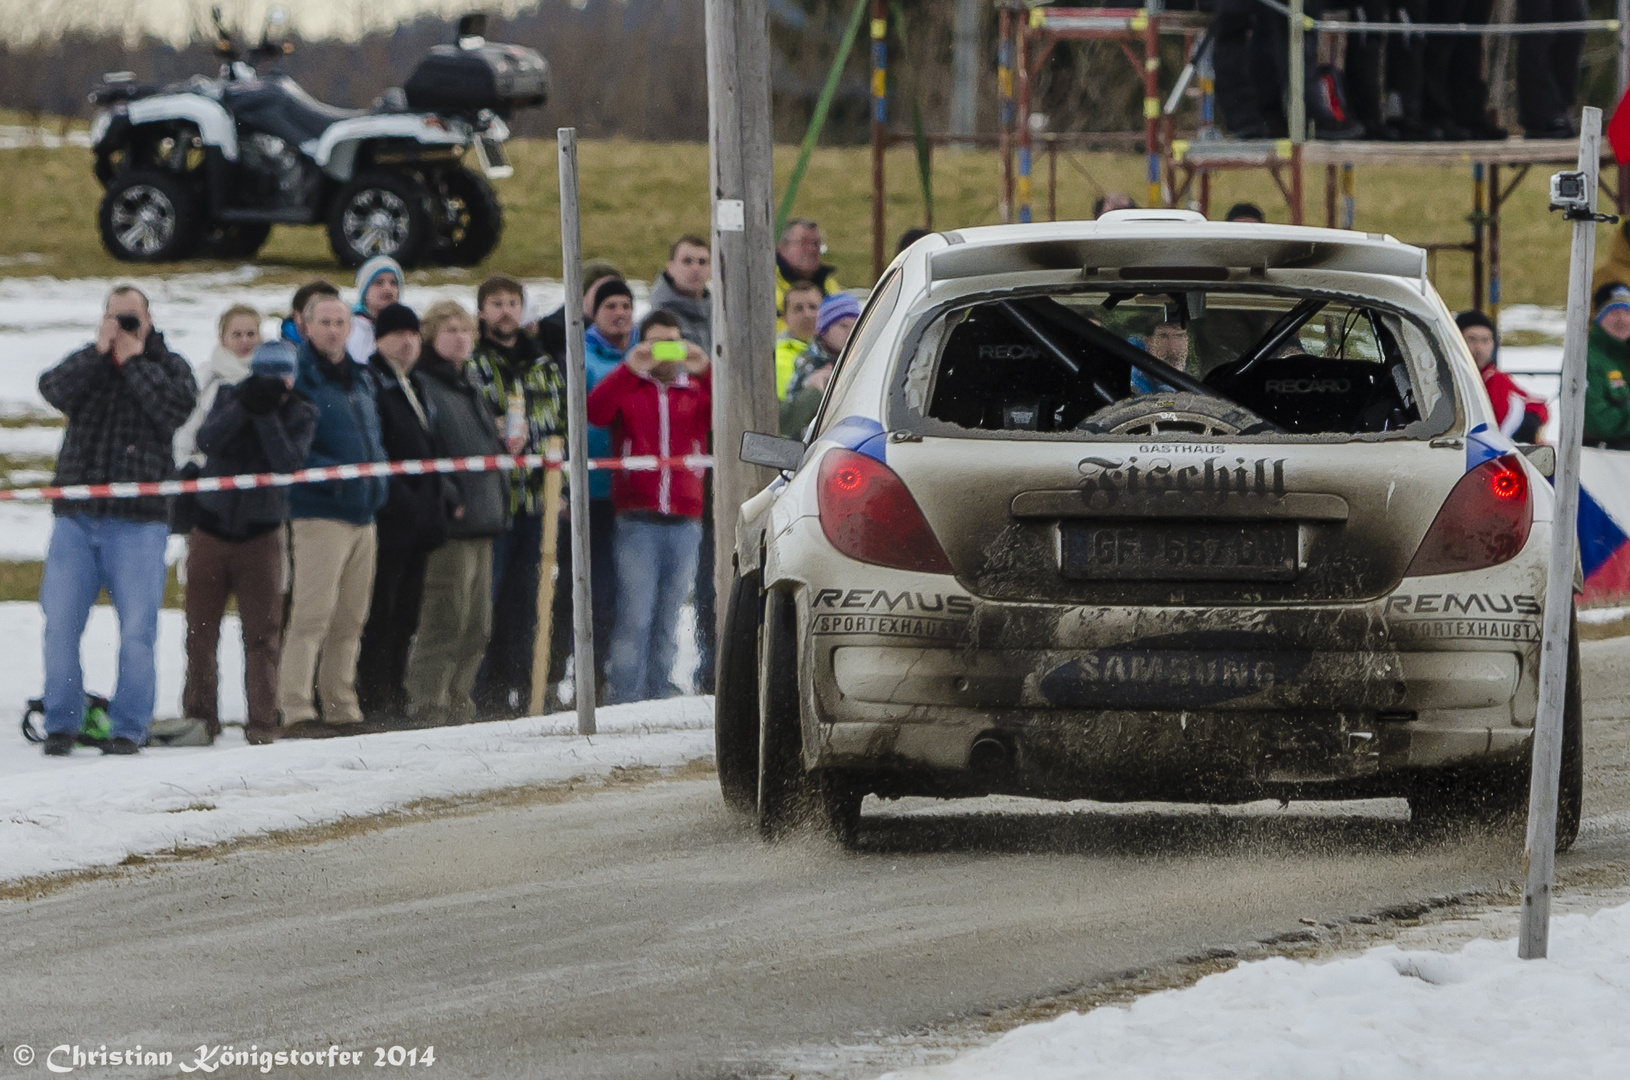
pixel 1282 363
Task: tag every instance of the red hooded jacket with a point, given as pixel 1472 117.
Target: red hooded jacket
pixel 649 418
pixel 1510 402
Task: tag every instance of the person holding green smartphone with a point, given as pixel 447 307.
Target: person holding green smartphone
pixel 657 402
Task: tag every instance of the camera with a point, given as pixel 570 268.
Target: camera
pixel 669 352
pixel 128 323
pixel 1570 191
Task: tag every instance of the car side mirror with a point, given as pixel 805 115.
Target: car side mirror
pixel 771 451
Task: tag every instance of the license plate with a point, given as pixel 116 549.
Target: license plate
pixel 1181 551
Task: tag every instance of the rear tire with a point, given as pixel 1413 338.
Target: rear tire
pixel 381 213
pixel 789 795
pixel 149 217
pixel 735 701
pixel 469 219
pixel 783 795
pixel 1456 799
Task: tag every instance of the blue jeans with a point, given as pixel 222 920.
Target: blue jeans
pixel 127 557
pixel 656 568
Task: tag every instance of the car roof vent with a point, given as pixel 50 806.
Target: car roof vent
pixel 1119 217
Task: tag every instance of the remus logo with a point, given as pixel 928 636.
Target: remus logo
pixel 1104 481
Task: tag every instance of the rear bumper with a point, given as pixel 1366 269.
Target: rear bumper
pixel 903 675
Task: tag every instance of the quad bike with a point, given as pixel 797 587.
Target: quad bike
pixel 205 168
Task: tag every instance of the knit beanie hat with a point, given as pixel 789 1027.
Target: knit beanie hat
pixel 608 289
pixel 1617 297
pixel 595 269
pixel 275 358
pixel 394 317
pixel 1468 319
pixel 837 306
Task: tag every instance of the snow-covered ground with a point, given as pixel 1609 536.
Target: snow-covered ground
pixel 1478 1013
pixel 90 810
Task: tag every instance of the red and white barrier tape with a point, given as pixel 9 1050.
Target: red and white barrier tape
pixel 418 467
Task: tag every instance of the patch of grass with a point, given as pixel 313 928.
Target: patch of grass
pixel 636 197
pixel 21 581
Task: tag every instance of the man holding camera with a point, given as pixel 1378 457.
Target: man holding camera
pixel 124 396
pixel 657 402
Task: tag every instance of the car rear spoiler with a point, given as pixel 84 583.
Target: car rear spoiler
pixel 1127 258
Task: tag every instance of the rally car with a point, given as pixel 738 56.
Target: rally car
pixel 1149 507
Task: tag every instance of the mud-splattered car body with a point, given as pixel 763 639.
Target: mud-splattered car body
pixel 1320 596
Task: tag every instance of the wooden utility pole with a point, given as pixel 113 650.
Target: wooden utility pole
pixel 741 182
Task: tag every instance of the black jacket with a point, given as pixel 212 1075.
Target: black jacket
pixel 464 427
pixel 121 422
pixel 235 440
pixel 412 517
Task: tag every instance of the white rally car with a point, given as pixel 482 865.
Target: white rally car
pixel 1144 508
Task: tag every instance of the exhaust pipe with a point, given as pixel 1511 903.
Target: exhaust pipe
pixel 989 754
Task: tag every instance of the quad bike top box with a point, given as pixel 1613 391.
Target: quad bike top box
pixel 204 168
pixel 463 81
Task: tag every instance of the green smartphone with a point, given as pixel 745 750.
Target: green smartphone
pixel 669 352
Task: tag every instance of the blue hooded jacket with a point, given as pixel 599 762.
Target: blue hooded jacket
pixel 601 358
pixel 347 433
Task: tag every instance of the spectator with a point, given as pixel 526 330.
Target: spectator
pixel 291 329
pixel 1248 94
pixel 124 396
pixel 509 363
pixel 1245 213
pixel 333 540
pixel 1454 93
pixel 798 258
pixel 1548 69
pixel 833 325
pixel 551 329
pixel 409 526
pixel 1607 391
pixel 379 285
pixel 909 237
pixel 236 545
pixel 1112 200
pixel 798 312
pixel 662 408
pixel 1520 417
pixel 682 290
pixel 457 617
pixel 238 334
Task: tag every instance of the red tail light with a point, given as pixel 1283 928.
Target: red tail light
pixel 867 513
pixel 1484 521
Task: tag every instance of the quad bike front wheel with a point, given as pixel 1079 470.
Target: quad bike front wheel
pixel 381 213
pixel 470 219
pixel 149 217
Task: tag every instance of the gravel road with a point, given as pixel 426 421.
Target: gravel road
pixel 643 933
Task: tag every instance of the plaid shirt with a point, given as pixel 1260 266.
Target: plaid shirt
pixel 496 371
pixel 120 424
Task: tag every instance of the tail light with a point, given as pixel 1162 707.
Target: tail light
pixel 867 513
pixel 1484 521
